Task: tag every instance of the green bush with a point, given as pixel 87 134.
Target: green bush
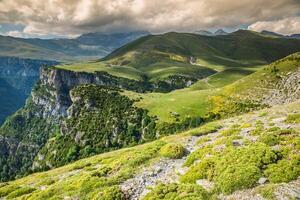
pixel 4 191
pixel 173 151
pixel 177 192
pixel 205 129
pixel 270 139
pixel 202 170
pixel 293 118
pixel 20 192
pixel 233 168
pixel 267 191
pixel 283 171
pixel 236 177
pixel 110 193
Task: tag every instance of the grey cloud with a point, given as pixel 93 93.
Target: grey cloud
pixel 285 26
pixel 73 17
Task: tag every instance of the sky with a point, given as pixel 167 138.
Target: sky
pixel 70 18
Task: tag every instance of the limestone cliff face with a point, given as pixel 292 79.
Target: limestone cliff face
pixel 52 92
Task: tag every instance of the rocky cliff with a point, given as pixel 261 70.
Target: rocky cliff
pixel 55 127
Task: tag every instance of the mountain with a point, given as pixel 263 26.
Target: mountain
pixel 86 46
pixel 220 32
pixel 110 41
pixel 208 33
pixel 269 33
pixel 204 32
pixel 176 60
pixel 253 155
pixel 273 34
pixel 295 36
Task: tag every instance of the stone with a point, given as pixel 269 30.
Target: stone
pixel 206 184
pixel 262 180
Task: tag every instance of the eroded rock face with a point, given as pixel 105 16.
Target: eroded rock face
pixel 287 89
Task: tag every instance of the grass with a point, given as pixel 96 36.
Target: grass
pixel 91 67
pixel 184 102
pixel 223 78
pixel 293 118
pixel 205 129
pixel 190 102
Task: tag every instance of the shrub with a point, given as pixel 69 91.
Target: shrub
pixel 205 129
pixel 202 170
pixel 20 192
pixel 270 139
pixel 229 132
pixel 7 189
pixel 267 191
pixel 237 177
pixel 173 151
pixel 177 192
pixel 110 193
pixel 233 169
pixel 293 118
pixel 283 171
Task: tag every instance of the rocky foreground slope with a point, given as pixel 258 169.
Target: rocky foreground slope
pixel 252 156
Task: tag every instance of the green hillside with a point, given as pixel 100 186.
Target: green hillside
pixel 193 101
pixel 159 57
pixel 235 154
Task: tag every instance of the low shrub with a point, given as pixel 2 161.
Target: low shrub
pixel 110 193
pixel 21 191
pixel 270 139
pixel 293 118
pixel 233 168
pixel 236 177
pixel 283 171
pixel 173 151
pixel 177 192
pixel 205 129
pixel 202 170
pixel 267 191
pixel 4 191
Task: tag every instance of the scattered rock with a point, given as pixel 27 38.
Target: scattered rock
pixel 262 180
pixel 206 184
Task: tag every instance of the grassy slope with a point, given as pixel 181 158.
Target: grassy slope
pixel 99 176
pixel 192 102
pixel 197 56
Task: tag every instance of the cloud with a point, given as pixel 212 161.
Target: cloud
pixel 285 26
pixel 73 17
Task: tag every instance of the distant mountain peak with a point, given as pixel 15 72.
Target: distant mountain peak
pixel 221 32
pixel 270 33
pixel 203 32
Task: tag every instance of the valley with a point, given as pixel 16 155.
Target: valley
pixel 166 116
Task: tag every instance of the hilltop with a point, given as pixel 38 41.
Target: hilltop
pixel 185 58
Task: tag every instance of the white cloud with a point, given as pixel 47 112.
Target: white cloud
pixel 73 17
pixel 285 26
pixel 15 34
